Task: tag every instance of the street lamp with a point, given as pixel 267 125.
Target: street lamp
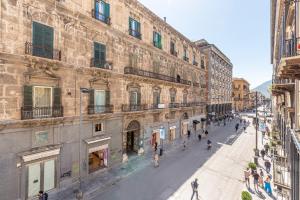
pixel 79 194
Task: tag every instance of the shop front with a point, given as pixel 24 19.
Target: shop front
pixel 98 154
pixel 184 128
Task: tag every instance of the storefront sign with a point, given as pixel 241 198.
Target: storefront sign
pixel 162 133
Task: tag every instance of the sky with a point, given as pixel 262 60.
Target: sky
pixel 240 29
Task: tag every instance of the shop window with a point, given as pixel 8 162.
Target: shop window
pixel 98 160
pixel 98 127
pixel 172 134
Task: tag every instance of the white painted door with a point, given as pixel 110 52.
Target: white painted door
pixel 99 101
pixel 49 175
pixel 34 181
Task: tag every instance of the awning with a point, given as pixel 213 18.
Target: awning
pixel 196 122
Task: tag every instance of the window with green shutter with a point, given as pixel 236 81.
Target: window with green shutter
pixel 99 55
pixel 42 40
pixel 157 40
pixel 134 28
pixel 102 11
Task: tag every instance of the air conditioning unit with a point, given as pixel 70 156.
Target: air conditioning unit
pixel 161 106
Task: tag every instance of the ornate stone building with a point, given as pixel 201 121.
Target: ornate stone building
pixel 219 79
pixel 240 94
pixel 285 50
pixel 135 79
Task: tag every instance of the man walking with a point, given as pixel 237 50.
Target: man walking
pixel 263 153
pixel 255 180
pixel 195 188
pixel 268 166
pixel 247 176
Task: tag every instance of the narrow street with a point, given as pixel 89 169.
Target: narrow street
pixel 219 171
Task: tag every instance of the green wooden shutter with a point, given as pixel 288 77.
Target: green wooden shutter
pixel 130 22
pixel 139 98
pixel 159 41
pixel 102 54
pixel 91 106
pixel 56 97
pixel 42 40
pixel 107 11
pixel 107 97
pixel 99 54
pixel 28 96
pixel 138 25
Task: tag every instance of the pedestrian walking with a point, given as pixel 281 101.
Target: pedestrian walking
pixel 261 173
pixel 156 160
pixel 255 180
pixel 268 166
pixel 184 145
pixel 267 147
pixel 268 187
pixel 42 195
pixel 236 127
pixel 244 128
pixel 206 133
pixel 195 189
pixel 247 174
pixel 189 134
pixel 263 153
pixel 199 137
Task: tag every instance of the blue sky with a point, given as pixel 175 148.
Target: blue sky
pixel 241 29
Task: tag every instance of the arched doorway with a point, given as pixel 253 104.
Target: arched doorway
pixel 132 138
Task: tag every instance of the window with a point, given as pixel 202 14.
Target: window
pixel 157 40
pixel 185 55
pixel 184 98
pixel 99 55
pixel 42 40
pixel 42 99
pixel 102 11
pixel 99 101
pixel 172 48
pixel 41 137
pixel 156 98
pixel 98 158
pixel 133 98
pixel 134 28
pixel 98 127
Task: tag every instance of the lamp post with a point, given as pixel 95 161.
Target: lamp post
pixel 79 194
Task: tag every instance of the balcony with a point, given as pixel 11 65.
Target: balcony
pixel 101 64
pixel 135 33
pixel 196 84
pixel 203 85
pixel 29 112
pixel 281 171
pixel 101 17
pixel 98 109
pixel 134 108
pixel 42 51
pixel 185 58
pixel 143 73
pixel 174 105
pixel 195 63
pixel 282 84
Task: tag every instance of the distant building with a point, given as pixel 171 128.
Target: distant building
pixel 219 79
pixel 240 94
pixel 252 99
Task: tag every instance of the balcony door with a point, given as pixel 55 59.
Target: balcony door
pixel 42 40
pixel 42 101
pixel 99 101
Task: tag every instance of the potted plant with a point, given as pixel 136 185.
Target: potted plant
pixel 252 166
pixel 246 195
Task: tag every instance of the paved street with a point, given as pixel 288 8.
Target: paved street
pixel 219 171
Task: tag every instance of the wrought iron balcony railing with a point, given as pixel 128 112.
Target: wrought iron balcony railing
pixel 97 109
pixel 291 47
pixel 196 84
pixel 195 63
pixel 100 64
pixel 277 80
pixel 134 107
pixel 101 17
pixel 139 72
pixel 29 112
pixel 135 33
pixel 174 105
pixel 42 51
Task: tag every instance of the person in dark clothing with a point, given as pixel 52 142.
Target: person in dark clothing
pixel 237 127
pixel 268 166
pixel 199 137
pixel 206 132
pixel 195 188
pixel 263 153
pixel 42 195
pixel 255 180
pixel 267 147
pixel 189 134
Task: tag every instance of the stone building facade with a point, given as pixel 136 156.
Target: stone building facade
pixel 240 94
pixel 219 80
pixel 135 79
pixel 252 99
pixel 285 48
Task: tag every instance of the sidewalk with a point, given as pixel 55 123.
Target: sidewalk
pixel 261 194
